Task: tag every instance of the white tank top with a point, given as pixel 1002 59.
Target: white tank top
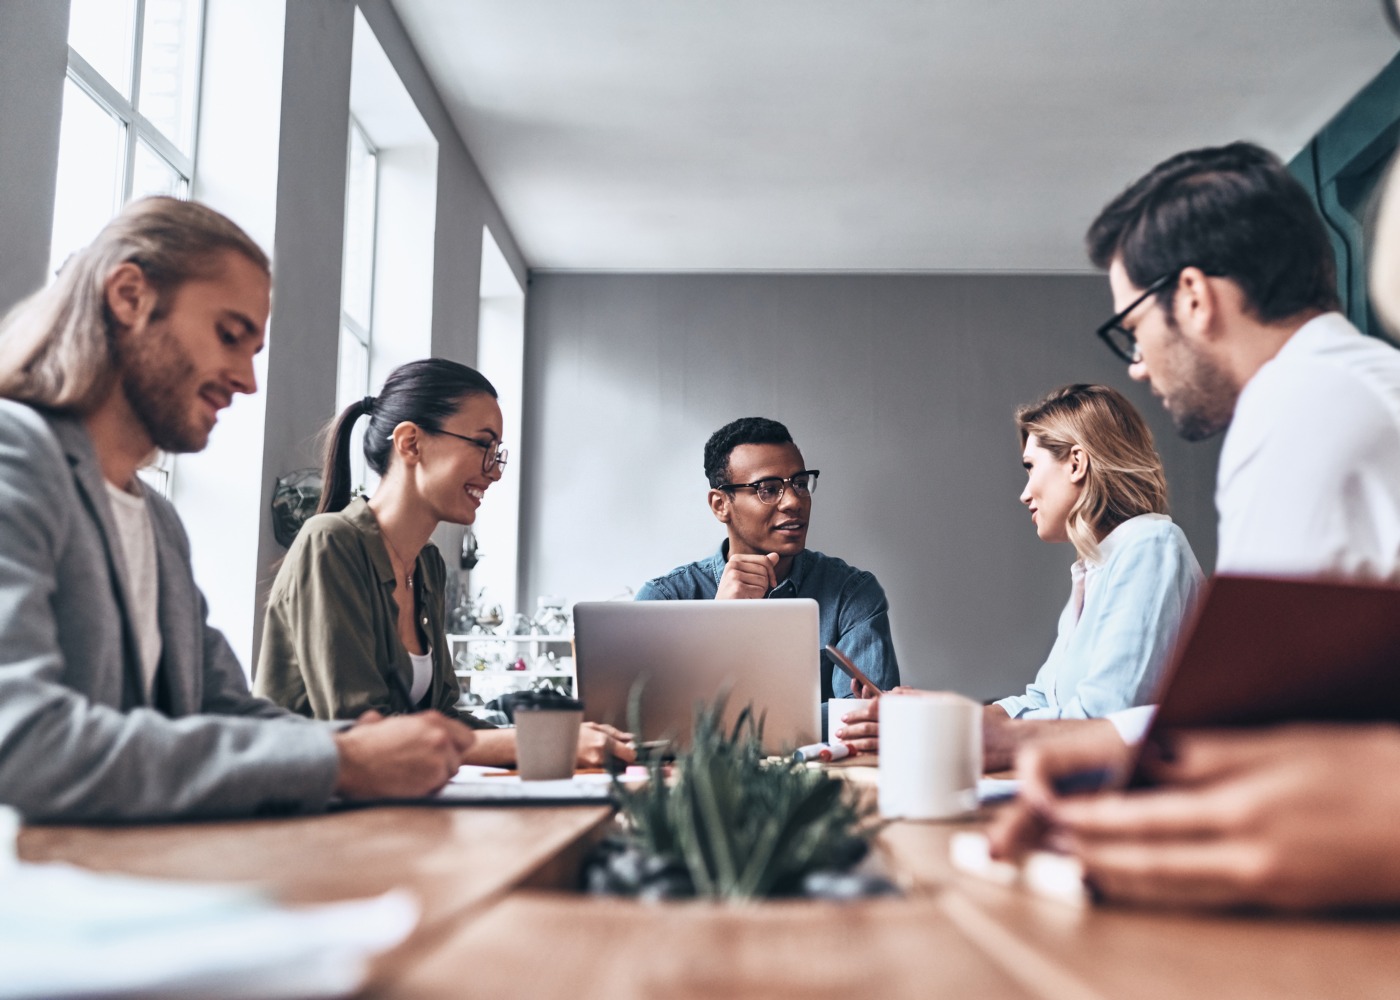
pixel 422 674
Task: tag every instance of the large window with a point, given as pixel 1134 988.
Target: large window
pixel 357 282
pixel 128 124
pixel 500 354
pixel 129 107
pixel 357 273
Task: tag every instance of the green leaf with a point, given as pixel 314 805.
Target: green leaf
pixel 742 826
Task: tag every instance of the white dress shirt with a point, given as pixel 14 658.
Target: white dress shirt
pixel 1309 479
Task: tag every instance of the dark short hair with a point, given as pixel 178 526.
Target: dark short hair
pixel 745 430
pixel 1233 211
pixel 423 392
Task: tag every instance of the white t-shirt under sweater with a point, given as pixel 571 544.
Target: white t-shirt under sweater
pixel 137 544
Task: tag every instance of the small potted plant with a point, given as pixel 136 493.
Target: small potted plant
pixel 732 824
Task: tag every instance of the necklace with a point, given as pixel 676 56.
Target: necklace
pixel 394 555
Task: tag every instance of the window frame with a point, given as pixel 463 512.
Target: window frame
pixel 137 127
pixel 364 333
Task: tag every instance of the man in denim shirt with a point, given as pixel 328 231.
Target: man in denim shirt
pixel 761 491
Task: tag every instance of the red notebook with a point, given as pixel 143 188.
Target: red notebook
pixel 1261 651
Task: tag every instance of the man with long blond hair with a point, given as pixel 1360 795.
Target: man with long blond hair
pixel 117 699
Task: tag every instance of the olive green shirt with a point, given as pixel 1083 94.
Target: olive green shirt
pixel 330 634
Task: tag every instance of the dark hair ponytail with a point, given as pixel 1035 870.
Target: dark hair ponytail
pixel 421 392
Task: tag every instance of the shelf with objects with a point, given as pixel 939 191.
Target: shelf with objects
pixel 532 654
pixel 490 665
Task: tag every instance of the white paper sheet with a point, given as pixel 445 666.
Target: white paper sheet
pixel 473 783
pixel 66 931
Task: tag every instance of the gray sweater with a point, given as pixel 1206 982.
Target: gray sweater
pixel 79 739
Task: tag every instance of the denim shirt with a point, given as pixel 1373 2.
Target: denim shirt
pixel 1110 655
pixel 853 613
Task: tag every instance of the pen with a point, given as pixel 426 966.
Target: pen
pixel 824 752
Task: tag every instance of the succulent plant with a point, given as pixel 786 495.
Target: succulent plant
pixel 733 824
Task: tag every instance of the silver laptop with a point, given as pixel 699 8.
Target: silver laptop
pixel 764 653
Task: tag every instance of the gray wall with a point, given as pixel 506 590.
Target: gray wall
pixel 311 191
pixel 464 205
pixel 305 327
pixel 31 102
pixel 899 388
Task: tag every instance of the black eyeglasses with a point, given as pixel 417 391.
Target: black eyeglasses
pixel 770 489
pixel 493 456
pixel 1124 342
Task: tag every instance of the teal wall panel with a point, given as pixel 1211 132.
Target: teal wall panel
pixel 1341 168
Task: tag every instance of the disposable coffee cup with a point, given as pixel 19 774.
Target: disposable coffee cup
pixel 546 735
pixel 836 708
pixel 930 755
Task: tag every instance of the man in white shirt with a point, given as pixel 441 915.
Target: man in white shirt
pixel 1318 428
pixel 1230 313
pixel 1224 282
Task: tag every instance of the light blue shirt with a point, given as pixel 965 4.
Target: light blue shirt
pixel 1110 655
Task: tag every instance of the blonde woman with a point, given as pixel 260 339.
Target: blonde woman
pixel 1094 480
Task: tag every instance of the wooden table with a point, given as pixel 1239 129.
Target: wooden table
pixel 497 922
pixel 454 860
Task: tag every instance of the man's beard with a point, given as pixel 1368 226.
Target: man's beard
pixel 157 378
pixel 1204 404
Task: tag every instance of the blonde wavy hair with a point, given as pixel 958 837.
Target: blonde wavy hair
pixel 1124 475
pixel 57 347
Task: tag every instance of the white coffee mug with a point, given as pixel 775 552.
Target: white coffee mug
pixel 836 708
pixel 930 755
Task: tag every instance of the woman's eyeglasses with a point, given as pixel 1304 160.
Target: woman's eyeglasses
pixel 493 456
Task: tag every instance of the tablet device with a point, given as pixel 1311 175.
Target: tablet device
pixel 687 653
pixel 1262 651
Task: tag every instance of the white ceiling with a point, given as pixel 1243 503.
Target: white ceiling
pixel 856 135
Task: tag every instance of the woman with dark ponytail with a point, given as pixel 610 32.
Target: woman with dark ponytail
pixel 355 619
